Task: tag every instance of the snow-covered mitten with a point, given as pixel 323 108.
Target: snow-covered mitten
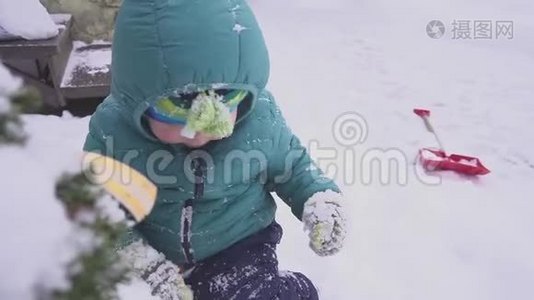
pixel 160 274
pixel 323 218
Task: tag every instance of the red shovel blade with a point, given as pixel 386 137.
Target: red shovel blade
pixel 433 160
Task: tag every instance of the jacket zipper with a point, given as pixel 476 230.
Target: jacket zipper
pixel 198 166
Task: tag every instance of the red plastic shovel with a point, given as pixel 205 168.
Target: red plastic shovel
pixel 433 160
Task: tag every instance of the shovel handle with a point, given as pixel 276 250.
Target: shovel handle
pixel 428 125
pixel 424 114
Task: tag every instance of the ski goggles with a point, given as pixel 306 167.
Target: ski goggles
pixel 177 109
pixel 207 111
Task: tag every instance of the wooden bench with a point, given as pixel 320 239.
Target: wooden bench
pixel 88 73
pixel 61 69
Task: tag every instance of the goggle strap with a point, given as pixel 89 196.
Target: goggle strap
pixel 152 113
pixel 235 97
pixel 165 111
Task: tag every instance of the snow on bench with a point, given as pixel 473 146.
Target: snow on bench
pixel 41 62
pixel 87 73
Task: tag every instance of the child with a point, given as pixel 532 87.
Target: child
pixel 188 108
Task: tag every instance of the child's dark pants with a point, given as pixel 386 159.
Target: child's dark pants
pixel 249 270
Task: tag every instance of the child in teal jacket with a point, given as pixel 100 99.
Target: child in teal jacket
pixel 188 109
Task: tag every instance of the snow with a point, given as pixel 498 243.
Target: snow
pixel 141 256
pixel 111 210
pixel 91 59
pixel 60 18
pixel 6 36
pixel 469 162
pixel 32 222
pixel 447 237
pixel 426 154
pixel 37 238
pixel 27 19
pixel 9 84
pixel 137 289
pixel 164 276
pixel 324 220
pixel 238 28
pixel 460 238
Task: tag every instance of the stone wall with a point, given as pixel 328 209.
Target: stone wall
pixel 92 19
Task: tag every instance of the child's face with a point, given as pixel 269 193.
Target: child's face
pixel 171 133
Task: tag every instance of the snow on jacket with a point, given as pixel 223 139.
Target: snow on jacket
pixel 167 46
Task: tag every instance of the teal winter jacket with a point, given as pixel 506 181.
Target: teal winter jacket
pixel 164 46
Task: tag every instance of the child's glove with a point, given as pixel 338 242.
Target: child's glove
pixel 160 274
pixel 323 218
pixel 165 281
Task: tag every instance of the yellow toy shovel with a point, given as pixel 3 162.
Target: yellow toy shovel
pixel 136 193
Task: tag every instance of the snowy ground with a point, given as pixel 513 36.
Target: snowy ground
pixel 410 238
pixel 461 239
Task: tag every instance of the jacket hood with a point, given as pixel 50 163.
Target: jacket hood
pixel 163 47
